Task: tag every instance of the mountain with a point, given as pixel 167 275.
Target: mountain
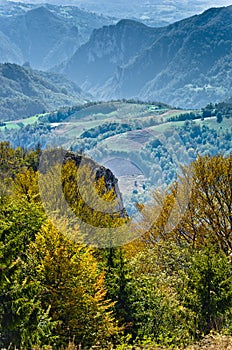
pixel 85 21
pixel 108 48
pixel 9 52
pixel 44 35
pixel 186 64
pixel 25 92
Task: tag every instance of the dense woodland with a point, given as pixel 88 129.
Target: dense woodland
pixel 170 287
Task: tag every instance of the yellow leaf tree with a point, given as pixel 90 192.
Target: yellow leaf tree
pixel 73 288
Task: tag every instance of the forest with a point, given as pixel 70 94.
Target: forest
pixel 168 288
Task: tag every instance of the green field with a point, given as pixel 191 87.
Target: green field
pixel 71 123
pixel 16 124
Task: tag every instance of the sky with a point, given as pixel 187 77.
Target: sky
pixel 136 8
pixel 207 3
pixel 219 3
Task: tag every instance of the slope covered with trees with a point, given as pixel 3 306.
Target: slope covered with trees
pixel 142 143
pixel 25 92
pixel 170 287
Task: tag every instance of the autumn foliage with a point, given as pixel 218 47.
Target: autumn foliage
pixel 170 287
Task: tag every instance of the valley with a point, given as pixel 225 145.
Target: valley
pixel 115 175
pixel 25 92
pixel 145 145
pixel 151 12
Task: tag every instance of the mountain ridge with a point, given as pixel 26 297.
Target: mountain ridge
pixel 158 69
pixel 42 37
pixel 113 44
pixel 44 34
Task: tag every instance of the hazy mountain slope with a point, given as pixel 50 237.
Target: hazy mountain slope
pixel 24 92
pixel 187 63
pixel 188 66
pixel 108 48
pixel 85 21
pixel 42 37
pixel 9 52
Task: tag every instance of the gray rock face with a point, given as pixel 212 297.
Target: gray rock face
pixel 98 171
pixel 111 183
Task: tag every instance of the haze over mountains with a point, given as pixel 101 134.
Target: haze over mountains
pixel 44 35
pixel 186 64
pixel 150 12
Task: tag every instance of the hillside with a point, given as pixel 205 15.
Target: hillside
pixel 108 48
pixel 25 92
pixel 115 176
pixel 44 35
pixel 131 60
pixel 76 274
pixel 143 144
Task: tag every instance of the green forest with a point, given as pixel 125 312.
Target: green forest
pixel 169 288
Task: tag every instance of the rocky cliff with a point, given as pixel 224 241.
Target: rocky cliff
pixel 98 172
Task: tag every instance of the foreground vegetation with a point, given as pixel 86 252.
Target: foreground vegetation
pixel 169 288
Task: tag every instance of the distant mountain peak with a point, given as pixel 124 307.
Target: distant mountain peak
pixel 186 64
pixel 44 34
pixel 130 22
pixel 41 12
